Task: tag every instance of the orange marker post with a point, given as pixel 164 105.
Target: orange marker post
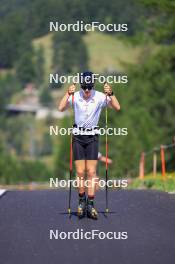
pixel 162 154
pixel 142 166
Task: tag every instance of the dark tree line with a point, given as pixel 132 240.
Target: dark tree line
pixel 21 21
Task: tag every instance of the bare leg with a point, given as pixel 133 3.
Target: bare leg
pixel 91 167
pixel 80 170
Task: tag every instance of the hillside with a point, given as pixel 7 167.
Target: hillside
pixel 113 56
pixel 108 51
pixel 46 43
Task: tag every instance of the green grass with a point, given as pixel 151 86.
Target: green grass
pixel 46 43
pixel 156 183
pixel 109 52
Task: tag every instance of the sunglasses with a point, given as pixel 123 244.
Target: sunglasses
pixel 87 86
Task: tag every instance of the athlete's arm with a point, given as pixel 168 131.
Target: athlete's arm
pixel 114 103
pixel 64 101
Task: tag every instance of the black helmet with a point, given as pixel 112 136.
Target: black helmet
pixel 87 81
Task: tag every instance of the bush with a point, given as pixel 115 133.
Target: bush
pixel 149 183
pixel 34 171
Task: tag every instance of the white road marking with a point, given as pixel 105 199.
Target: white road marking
pixel 2 191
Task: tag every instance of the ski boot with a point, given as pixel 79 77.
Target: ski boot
pixel 81 212
pixel 91 211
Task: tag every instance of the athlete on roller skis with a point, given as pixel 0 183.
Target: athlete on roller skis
pixel 87 104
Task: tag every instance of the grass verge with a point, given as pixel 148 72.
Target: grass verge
pixel 155 182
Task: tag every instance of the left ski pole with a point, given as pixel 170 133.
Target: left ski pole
pixel 70 166
pixel 106 178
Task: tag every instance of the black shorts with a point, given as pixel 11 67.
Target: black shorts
pixel 85 147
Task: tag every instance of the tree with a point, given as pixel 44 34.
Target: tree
pixel 70 54
pixel 161 20
pixel 39 66
pixel 45 96
pixel 25 67
pixel 61 156
pixel 13 38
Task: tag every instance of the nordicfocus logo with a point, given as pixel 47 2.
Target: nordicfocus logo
pixel 78 183
pixel 56 130
pixel 80 26
pixel 81 234
pixel 78 78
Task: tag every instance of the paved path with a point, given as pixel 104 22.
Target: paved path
pixel 26 218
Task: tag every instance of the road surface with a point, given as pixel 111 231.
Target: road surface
pixel 26 218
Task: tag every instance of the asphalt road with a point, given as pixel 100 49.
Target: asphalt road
pixel 26 218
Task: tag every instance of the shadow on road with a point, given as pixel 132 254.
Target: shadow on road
pixel 75 213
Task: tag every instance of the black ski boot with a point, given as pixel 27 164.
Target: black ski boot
pixel 91 211
pixel 81 212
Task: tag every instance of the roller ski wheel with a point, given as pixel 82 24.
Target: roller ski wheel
pixel 92 212
pixel 81 211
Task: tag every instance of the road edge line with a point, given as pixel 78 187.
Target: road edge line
pixel 2 192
